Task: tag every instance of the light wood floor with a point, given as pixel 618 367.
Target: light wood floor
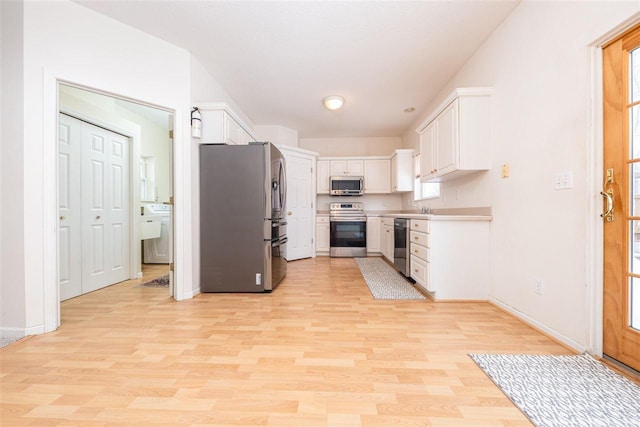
pixel 318 351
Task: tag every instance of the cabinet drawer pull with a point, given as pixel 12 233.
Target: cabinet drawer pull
pixel 416 270
pixel 415 238
pixel 416 251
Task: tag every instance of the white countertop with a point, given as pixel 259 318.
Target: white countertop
pixel 439 217
pixel 443 215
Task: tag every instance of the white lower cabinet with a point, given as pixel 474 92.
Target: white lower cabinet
pixel 373 235
pixel 322 235
pixel 450 258
pixel 386 238
pixel 419 249
pixel 420 271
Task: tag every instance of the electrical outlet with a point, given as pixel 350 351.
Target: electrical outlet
pixel 539 287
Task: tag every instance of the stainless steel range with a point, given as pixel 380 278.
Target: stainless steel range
pixel 348 223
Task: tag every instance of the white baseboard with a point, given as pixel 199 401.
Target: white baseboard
pixel 537 325
pixel 21 332
pixel 188 294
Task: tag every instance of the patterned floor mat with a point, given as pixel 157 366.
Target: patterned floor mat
pixel 564 391
pixel 385 282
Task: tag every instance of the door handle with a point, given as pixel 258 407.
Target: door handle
pixel 608 195
pixel 289 213
pixel 97 217
pixel 608 213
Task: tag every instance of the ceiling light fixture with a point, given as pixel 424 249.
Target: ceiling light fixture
pixel 333 102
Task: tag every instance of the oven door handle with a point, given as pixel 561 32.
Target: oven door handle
pixel 354 219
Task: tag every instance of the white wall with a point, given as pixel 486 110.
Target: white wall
pixel 364 146
pixel 116 59
pixel 2 89
pixel 12 158
pixel 538 64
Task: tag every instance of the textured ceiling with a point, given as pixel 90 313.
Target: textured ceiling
pixel 278 60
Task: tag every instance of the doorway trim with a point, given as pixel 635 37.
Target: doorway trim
pixel 595 158
pixel 182 252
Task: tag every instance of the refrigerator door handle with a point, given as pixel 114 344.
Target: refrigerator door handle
pixel 279 242
pixel 282 176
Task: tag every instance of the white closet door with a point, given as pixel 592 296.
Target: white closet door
pixel 69 207
pixel 105 207
pixel 299 207
pixel 95 237
pixel 118 208
pixel 94 243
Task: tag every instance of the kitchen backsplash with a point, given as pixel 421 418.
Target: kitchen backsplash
pixel 372 202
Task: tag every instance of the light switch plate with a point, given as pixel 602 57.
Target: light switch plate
pixel 563 181
pixel 504 171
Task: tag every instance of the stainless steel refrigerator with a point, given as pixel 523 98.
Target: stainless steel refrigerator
pixel 242 217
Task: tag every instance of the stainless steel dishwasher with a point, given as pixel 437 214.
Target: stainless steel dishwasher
pixel 401 242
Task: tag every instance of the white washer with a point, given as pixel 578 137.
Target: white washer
pixel 156 251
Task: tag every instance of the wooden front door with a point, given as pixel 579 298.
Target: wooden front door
pixel 621 195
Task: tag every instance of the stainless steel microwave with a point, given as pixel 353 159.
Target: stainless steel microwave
pixel 346 185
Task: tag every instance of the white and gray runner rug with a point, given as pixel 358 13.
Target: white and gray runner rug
pixel 564 391
pixel 5 341
pixel 160 282
pixel 384 281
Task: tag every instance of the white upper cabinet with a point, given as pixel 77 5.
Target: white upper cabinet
pixel 456 139
pixel 220 125
pixel 376 171
pixel 244 137
pixel 347 168
pixel 376 176
pixel 427 150
pixel 402 171
pixel 231 130
pixel 322 177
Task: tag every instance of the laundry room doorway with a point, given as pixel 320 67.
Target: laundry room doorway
pixel 115 194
